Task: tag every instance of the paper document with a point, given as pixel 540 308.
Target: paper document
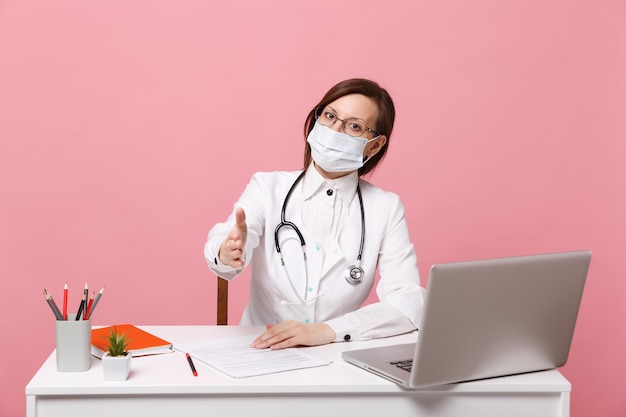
pixel 234 357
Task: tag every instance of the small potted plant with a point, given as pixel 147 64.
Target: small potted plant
pixel 116 360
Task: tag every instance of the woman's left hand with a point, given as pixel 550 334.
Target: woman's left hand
pixel 294 333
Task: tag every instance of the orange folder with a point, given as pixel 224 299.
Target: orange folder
pixel 141 342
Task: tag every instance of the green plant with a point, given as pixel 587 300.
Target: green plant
pixel 117 344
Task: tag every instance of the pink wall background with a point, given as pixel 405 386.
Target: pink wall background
pixel 129 128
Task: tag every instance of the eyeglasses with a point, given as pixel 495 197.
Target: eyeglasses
pixel 353 127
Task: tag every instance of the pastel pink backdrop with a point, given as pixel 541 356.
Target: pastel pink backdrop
pixel 129 128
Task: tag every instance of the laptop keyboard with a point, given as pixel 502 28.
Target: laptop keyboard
pixel 405 364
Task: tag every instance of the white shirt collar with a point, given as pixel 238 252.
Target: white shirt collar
pixel 345 186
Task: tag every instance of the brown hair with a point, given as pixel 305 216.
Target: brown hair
pixel 384 124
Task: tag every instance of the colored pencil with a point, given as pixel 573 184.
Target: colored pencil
pixel 52 305
pixel 89 304
pixel 65 293
pixel 83 302
pixel 95 302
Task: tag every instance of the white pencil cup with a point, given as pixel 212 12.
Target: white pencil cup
pixel 73 339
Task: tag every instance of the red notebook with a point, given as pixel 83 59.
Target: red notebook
pixel 141 342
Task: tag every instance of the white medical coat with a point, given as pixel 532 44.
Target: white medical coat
pixel 330 298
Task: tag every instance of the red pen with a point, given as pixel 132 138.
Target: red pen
pixel 193 368
pixel 65 302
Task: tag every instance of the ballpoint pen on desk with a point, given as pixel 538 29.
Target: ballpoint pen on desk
pixel 95 303
pixel 193 368
pixel 52 305
pixel 65 292
pixel 83 302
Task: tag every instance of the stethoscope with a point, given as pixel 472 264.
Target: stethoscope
pixel 354 273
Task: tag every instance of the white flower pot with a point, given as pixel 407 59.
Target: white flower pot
pixel 116 368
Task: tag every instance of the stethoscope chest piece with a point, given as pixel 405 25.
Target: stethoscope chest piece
pixel 354 274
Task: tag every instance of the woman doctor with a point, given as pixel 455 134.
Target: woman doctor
pixel 314 238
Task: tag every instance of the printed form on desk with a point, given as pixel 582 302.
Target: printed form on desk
pixel 234 357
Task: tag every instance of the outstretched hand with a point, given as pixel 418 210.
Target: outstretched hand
pixel 231 249
pixel 294 333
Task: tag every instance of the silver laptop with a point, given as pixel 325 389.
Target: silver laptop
pixel 488 318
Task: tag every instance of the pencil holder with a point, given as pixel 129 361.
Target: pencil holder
pixel 73 340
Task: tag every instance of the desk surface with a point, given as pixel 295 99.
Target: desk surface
pixel 169 375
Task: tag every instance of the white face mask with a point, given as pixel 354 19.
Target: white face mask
pixel 335 151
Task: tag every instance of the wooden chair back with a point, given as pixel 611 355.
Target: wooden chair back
pixel 222 301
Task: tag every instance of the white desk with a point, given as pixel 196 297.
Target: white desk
pixel 163 385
